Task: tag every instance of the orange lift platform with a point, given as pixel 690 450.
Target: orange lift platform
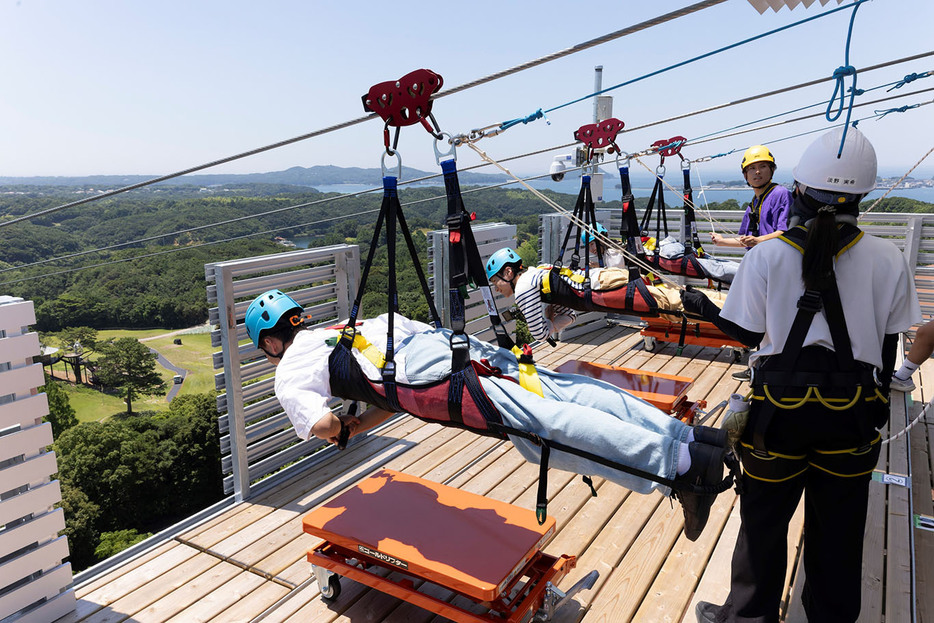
pixel 400 534
pixel 698 333
pixel 666 391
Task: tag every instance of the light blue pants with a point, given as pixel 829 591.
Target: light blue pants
pixel 577 411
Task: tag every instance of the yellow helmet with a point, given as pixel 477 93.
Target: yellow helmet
pixel 757 153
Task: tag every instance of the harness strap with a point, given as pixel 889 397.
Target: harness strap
pixel 811 302
pixel 755 209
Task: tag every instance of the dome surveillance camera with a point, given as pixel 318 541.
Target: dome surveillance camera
pixel 558 167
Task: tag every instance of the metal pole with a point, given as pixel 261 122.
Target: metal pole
pixel 597 87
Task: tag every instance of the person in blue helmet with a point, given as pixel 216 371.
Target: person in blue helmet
pixel 611 257
pixel 508 276
pixel 605 421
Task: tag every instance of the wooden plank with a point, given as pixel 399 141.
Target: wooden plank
pixel 871 598
pixel 194 572
pixel 207 606
pixel 922 481
pixel 898 598
pixel 714 584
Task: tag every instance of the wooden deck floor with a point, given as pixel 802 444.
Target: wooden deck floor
pixel 248 563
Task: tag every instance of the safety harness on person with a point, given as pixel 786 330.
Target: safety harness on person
pixel 445 401
pixel 780 385
pixel 571 288
pixel 755 209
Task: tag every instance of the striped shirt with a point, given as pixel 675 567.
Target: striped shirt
pixel 529 299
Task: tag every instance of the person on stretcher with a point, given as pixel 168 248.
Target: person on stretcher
pixel 577 411
pixel 508 276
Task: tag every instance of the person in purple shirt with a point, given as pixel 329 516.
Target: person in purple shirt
pixel 767 215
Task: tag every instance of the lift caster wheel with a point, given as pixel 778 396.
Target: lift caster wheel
pixel 648 343
pixel 332 590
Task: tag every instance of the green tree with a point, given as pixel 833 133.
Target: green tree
pixel 81 519
pixel 129 367
pixel 78 340
pixel 61 415
pixel 115 542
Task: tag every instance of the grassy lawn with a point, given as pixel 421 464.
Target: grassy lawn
pixel 194 355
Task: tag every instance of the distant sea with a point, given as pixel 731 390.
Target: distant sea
pixel 611 193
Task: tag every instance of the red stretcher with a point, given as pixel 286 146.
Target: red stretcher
pixel 424 532
pixel 666 391
pixel 698 333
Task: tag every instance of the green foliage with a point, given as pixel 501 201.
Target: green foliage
pixel 130 368
pixel 528 251
pixel 61 415
pixel 140 472
pixel 86 337
pixel 81 519
pixel 115 542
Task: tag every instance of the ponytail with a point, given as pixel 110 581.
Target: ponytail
pixel 820 247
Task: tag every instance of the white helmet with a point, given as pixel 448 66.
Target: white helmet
pixel 853 173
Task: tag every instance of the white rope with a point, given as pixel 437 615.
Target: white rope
pixel 895 185
pixel 905 430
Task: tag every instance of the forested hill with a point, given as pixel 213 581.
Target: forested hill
pixel 296 176
pixel 158 280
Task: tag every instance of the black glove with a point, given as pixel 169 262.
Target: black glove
pixel 694 301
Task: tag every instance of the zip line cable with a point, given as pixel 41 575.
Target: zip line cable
pixel 545 59
pixel 540 113
pixel 752 98
pixel 260 233
pixel 429 177
pixel 900 180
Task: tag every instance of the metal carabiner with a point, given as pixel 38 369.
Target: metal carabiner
pixel 451 152
pixel 383 163
pixel 685 164
pixel 622 155
pixel 660 171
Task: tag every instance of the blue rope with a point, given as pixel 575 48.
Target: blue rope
pixel 883 113
pixel 877 114
pixel 839 75
pixel 910 78
pixel 538 114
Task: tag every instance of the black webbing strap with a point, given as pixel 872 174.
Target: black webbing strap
pixel 755 209
pixel 692 245
pixel 466 265
pixel 808 305
pixel 631 231
pixel 547 446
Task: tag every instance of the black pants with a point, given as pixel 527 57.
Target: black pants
pixel 836 490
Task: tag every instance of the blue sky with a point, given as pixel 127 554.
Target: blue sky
pixel 116 87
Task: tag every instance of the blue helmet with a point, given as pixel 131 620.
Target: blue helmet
pixel 586 238
pixel 500 259
pixel 266 310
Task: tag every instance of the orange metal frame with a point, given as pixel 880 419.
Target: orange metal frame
pixel 482 549
pixel 698 333
pixel 668 392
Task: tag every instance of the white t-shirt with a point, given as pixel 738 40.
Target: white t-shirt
pixel 303 381
pixel 876 290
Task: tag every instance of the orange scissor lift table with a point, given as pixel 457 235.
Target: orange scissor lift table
pixel 420 531
pixel 698 333
pixel 668 392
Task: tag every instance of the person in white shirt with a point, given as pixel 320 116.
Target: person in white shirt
pixel 825 303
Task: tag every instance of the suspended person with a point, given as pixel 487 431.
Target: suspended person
pixel 507 275
pixel 609 289
pixel 823 366
pixel 577 411
pixel 612 258
pixel 766 216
